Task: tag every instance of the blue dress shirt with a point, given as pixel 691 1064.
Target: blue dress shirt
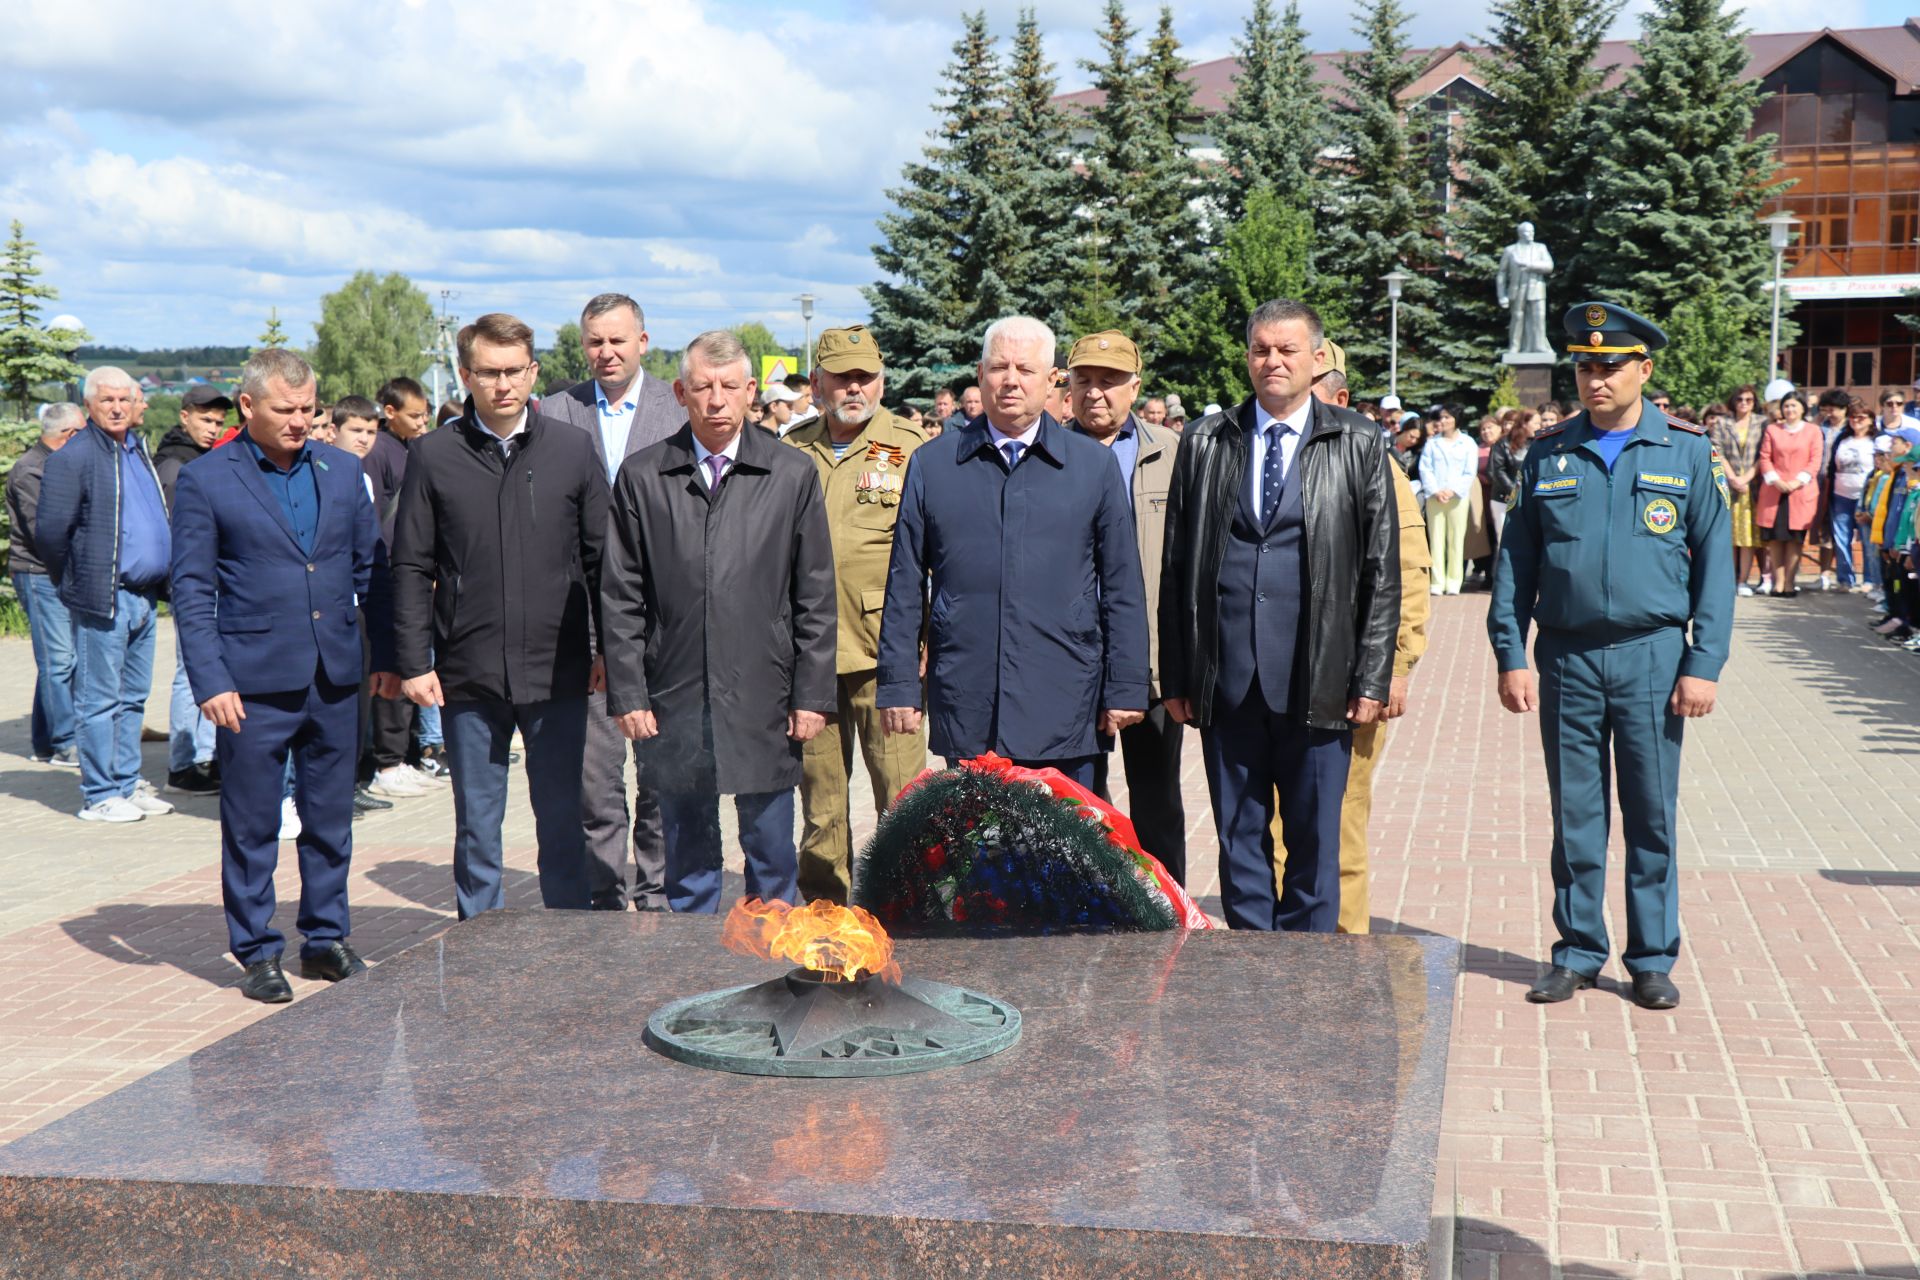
pixel 296 489
pixel 616 420
pixel 146 541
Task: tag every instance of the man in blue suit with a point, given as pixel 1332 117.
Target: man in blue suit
pixel 1036 645
pixel 273 543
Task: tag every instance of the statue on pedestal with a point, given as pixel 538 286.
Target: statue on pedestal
pixel 1521 287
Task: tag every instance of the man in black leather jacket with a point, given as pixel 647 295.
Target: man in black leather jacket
pixel 1279 602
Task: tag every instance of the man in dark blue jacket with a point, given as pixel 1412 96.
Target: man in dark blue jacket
pixel 101 531
pixel 273 541
pixel 1037 639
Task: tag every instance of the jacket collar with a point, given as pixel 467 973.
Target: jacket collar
pixel 1653 428
pixel 1321 421
pixel 755 453
pixel 977 441
pixel 480 436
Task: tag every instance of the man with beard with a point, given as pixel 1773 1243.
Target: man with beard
pixel 861 451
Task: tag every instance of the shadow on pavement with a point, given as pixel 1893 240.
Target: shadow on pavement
pixel 1854 671
pixel 192 937
pixel 431 883
pixel 1877 879
pixel 1475 1239
pixel 1488 962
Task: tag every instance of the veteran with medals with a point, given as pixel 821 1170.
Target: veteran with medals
pixel 861 451
pixel 1618 550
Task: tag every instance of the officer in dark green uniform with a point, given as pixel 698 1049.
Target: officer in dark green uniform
pixel 1618 548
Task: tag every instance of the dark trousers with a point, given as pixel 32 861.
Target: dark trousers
pixel 692 822
pixel 317 727
pixel 1604 719
pixel 1082 769
pixel 1251 754
pixel 1150 753
pixel 392 731
pixel 603 802
pixel 478 736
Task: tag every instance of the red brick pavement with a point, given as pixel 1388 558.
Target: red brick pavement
pixel 1770 1127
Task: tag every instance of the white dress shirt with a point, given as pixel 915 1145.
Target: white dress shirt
pixel 616 421
pixel 1025 438
pixel 505 439
pixel 731 453
pixel 1289 446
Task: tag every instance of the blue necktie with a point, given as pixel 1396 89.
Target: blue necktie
pixel 1274 474
pixel 1013 449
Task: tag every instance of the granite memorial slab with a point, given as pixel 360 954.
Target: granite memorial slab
pixel 486 1105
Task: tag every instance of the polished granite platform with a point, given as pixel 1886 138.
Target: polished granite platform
pixel 1208 1104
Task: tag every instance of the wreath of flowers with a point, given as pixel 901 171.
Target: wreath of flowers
pixel 989 846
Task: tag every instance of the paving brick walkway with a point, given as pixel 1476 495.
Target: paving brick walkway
pixel 1768 1128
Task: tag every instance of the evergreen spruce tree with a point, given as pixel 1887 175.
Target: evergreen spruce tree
pixel 1267 254
pixel 1381 212
pixel 953 242
pixel 1042 187
pixel 1141 184
pixel 1520 161
pixel 1677 185
pixel 274 335
pixel 1275 121
pixel 30 355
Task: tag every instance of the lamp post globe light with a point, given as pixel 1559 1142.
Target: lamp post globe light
pixel 65 323
pixel 1780 234
pixel 806 314
pixel 1395 280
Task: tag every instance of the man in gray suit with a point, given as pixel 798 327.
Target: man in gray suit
pixel 623 411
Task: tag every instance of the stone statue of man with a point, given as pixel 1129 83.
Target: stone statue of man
pixel 1522 288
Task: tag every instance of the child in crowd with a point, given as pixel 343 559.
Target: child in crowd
pixel 356 421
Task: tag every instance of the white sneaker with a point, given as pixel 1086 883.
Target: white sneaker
pixel 1744 590
pixel 1826 582
pixel 289 819
pixel 398 781
pixel 1436 591
pixel 147 800
pixel 112 809
pixel 427 781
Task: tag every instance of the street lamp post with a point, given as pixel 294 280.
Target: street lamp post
pixel 1394 279
pixel 806 314
pixel 1780 232
pixel 69 324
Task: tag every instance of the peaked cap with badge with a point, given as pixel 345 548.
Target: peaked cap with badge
pixel 845 350
pixel 1603 333
pixel 1109 349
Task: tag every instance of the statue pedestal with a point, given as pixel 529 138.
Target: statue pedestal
pixel 1532 374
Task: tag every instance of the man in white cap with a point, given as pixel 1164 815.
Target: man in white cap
pixel 779 400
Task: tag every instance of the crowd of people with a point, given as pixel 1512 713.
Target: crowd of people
pixel 373 598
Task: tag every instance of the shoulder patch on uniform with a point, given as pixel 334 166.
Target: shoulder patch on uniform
pixel 1690 428
pixel 1553 430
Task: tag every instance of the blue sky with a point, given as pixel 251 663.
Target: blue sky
pixel 185 168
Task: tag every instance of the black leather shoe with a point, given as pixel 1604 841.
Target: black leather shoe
pixel 266 983
pixel 1655 991
pixel 1559 983
pixel 336 962
pixel 364 801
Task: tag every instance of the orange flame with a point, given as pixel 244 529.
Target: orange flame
pixel 840 942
